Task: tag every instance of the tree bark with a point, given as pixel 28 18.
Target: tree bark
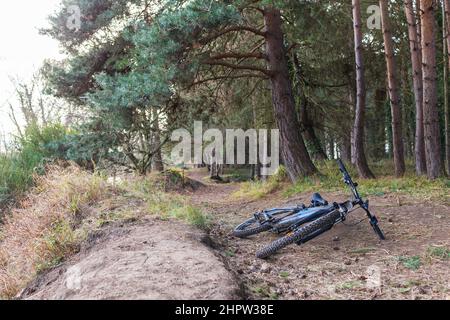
pixel 394 94
pixel 379 132
pixel 256 168
pixel 416 61
pixel 430 110
pixel 305 122
pixel 295 156
pixel 408 108
pixel 352 109
pixel 345 149
pixel 158 164
pixel 358 128
pixel 446 28
pixel 446 31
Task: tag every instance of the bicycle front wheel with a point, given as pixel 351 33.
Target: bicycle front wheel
pixel 323 223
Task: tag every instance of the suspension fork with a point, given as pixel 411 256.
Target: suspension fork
pixel 372 219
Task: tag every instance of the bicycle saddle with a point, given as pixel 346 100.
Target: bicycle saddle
pixel 317 200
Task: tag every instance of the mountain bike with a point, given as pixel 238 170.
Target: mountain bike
pixel 301 223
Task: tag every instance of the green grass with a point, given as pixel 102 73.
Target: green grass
pixel 412 263
pixel 259 189
pixel 236 174
pixel 167 205
pixel 439 252
pixel 16 173
pixel 331 180
pixel 60 242
pixel 265 292
pixel 191 215
pixel 230 252
pixel 349 285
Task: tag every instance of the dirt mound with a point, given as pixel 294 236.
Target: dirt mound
pixel 148 260
pixel 175 181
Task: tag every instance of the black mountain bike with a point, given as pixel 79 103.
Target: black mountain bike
pixel 301 223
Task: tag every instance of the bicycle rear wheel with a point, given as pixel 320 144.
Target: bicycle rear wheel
pixel 250 227
pixel 314 228
pixel 253 225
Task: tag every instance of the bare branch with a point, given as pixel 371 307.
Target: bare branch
pixel 12 116
pixel 237 76
pixel 238 55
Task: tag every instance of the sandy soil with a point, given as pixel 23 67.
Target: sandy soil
pixel 147 260
pixel 156 259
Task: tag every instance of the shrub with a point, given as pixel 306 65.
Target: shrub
pixel 37 147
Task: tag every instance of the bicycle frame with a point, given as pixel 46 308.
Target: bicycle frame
pixel 296 216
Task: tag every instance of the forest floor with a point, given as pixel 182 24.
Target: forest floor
pixel 348 262
pixel 154 258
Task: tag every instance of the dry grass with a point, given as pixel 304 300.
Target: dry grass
pixel 166 201
pixel 254 190
pixel 44 228
pixel 55 217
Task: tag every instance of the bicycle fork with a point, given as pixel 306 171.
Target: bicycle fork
pixel 373 220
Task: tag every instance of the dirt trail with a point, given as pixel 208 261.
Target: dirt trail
pixel 348 262
pixel 156 259
pixel 147 260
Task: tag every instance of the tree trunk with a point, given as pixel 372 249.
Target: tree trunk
pixel 345 149
pixel 430 110
pixel 352 103
pixel 416 60
pixel 408 108
pixel 394 94
pixel 305 122
pixel 157 157
pixel 256 168
pixel 446 31
pixel 379 139
pixel 358 129
pixel 296 158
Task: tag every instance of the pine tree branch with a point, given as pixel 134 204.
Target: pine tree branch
pixel 237 66
pixel 231 29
